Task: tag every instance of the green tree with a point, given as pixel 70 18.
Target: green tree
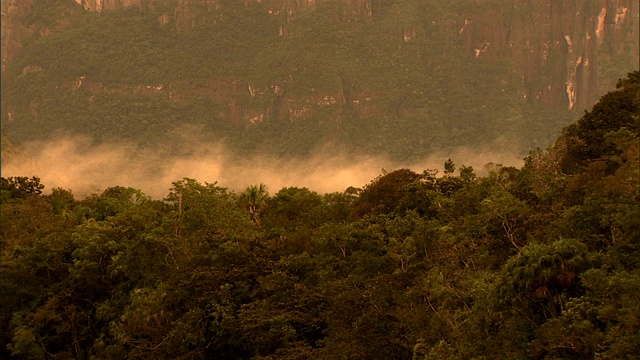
pixel 542 276
pixel 383 194
pixel 254 198
pixel 19 187
pixel 618 109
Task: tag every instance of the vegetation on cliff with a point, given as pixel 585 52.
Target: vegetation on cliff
pixel 398 77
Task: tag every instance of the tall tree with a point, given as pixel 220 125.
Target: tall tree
pixel 254 198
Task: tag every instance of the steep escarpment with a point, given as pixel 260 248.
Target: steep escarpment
pixel 563 52
pixel 100 5
pixel 14 29
pixel 422 71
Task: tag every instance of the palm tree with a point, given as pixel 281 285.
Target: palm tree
pixel 254 197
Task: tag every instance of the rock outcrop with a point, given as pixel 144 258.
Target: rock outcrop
pixel 14 30
pixel 551 40
pixel 100 5
pixel 560 51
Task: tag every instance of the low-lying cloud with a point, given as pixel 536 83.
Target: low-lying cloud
pixel 78 165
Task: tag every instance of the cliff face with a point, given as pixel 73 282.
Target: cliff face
pixel 560 49
pixel 14 30
pixel 563 53
pixel 100 5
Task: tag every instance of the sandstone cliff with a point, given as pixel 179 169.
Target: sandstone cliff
pixel 562 54
pixel 561 51
pixel 14 30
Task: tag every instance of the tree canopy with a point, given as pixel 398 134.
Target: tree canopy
pixel 537 262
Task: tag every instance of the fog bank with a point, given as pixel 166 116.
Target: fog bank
pixel 77 165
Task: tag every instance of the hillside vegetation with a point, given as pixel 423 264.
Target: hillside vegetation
pixel 401 80
pixel 537 262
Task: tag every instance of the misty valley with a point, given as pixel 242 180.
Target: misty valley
pixel 539 261
pixel 320 179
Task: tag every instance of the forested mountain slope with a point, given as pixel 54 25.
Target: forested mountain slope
pixel 401 77
pixel 536 262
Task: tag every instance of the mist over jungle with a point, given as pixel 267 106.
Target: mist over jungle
pixel 326 93
pixel 536 261
pixel 320 179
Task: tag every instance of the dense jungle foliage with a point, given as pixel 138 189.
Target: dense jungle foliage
pixel 537 262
